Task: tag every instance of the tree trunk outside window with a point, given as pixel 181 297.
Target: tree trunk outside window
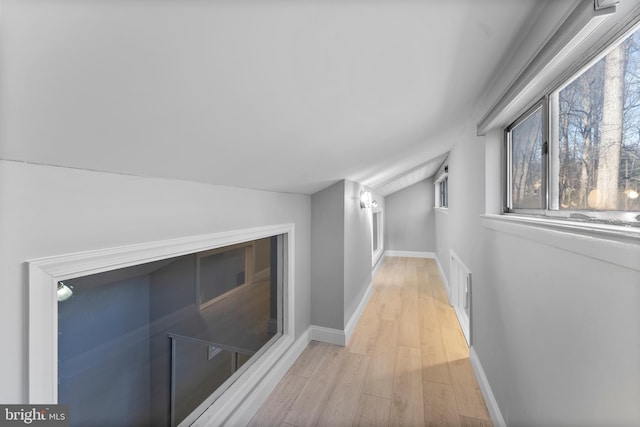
pixel 611 141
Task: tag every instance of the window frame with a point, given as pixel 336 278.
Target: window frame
pixel 541 105
pixel 45 273
pixel 548 101
pixel 378 231
pixel 442 181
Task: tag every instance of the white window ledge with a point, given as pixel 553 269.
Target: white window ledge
pixel 441 210
pixel 610 243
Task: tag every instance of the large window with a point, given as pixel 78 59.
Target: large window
pixel 590 169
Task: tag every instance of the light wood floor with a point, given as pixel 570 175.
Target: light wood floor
pixel 407 363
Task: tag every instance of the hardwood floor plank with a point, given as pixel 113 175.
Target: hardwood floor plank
pixel 275 408
pixel 373 411
pixel 392 302
pixel 440 295
pixel 382 276
pixel 474 422
pixel 409 331
pixel 407 363
pixel 363 340
pixel 424 280
pixel 435 366
pixel 468 395
pixel 407 403
pixel 410 275
pixel 429 322
pixel 309 360
pixel 365 335
pixel 311 401
pixel 342 406
pixel 454 343
pixel 446 315
pixel 380 374
pixel 440 407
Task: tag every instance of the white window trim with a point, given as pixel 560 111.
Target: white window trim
pixel 581 34
pixel 375 255
pixel 436 187
pixel 609 243
pixel 45 273
pixel 552 214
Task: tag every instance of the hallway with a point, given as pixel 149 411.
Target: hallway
pixel 407 363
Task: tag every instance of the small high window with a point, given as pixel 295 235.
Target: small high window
pixel 442 192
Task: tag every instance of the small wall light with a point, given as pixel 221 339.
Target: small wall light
pixel 366 200
pixel 64 292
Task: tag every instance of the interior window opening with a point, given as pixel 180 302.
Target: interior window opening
pixel 161 341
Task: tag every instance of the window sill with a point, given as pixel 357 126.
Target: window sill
pixel 614 244
pixel 441 210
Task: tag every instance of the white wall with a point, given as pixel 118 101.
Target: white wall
pixel 554 315
pixel 327 253
pixel 46 211
pixel 557 334
pixel 410 218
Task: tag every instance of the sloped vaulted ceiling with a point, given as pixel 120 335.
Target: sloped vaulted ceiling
pixel 273 94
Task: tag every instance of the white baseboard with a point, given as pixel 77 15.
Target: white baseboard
pixel 328 335
pixel 247 408
pixel 410 254
pixel 336 336
pixel 351 325
pixel 377 266
pixel 463 320
pixel 485 387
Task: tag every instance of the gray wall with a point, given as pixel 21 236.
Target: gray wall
pixel 357 248
pixel 556 331
pixel 441 229
pixel 410 218
pixel 340 252
pixel 47 211
pixel 327 253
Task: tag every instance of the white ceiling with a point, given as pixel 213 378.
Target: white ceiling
pixel 410 177
pixel 278 95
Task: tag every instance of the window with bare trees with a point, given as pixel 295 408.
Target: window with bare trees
pixel 590 169
pixel 526 155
